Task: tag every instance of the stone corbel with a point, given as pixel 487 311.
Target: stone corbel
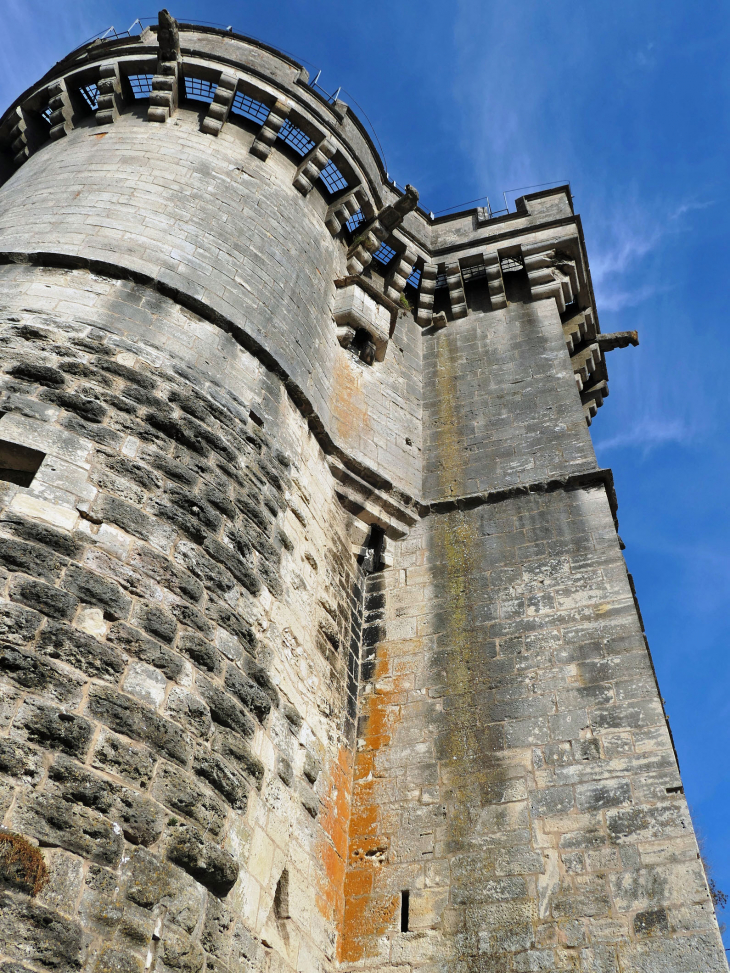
pixel 456 289
pixel 359 305
pixel 552 272
pixel 26 134
pixel 584 364
pixel 592 399
pixel 266 137
pixel 396 280
pixel 579 327
pixel 495 283
pixel 220 106
pixel 373 234
pixel 364 246
pixel 371 506
pixel 109 98
pixel 62 112
pixel 424 314
pixel 340 211
pixel 309 169
pixel 165 92
pixel 166 82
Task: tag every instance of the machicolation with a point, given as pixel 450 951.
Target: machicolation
pixel 318 650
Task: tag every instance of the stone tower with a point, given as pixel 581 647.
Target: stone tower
pixel 318 649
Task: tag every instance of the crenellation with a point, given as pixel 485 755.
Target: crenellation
pixel 318 650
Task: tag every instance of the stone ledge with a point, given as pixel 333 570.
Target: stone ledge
pixel 65 261
pixel 574 481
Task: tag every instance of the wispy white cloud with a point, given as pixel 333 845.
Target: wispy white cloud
pixel 649 433
pixel 630 235
pixel 690 207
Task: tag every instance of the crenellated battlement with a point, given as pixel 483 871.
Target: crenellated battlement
pixel 245 83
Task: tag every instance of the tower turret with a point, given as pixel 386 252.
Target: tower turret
pixel 317 647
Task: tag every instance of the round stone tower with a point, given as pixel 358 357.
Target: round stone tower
pixel 317 647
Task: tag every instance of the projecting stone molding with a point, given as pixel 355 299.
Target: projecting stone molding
pixel 359 307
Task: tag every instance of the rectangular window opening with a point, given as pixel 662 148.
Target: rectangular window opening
pixel 199 89
pixel 440 281
pixel 355 220
pixel 333 178
pixel 19 464
pixel 415 279
pixel 141 85
pixel 254 110
pixel 511 264
pixel 384 254
pixel 404 904
pixel 295 138
pixel 46 114
pixel 475 272
pixel 90 94
pixel 281 896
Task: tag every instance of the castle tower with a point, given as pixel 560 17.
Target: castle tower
pixel 317 647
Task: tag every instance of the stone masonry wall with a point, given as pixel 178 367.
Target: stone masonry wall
pixel 210 221
pixel 514 770
pixel 306 664
pixel 501 407
pixel 177 603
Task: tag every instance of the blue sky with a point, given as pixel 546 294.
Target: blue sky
pixel 629 101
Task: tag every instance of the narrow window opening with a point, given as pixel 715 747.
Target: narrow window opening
pixel 373 559
pixel 141 85
pixel 199 89
pixel 19 464
pixel 363 346
pixel 295 138
pixel 333 178
pixel 90 94
pixel 404 904
pixel 281 896
pixel 251 109
pixel 355 220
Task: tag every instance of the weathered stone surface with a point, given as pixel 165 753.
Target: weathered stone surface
pixel 126 715
pixel 53 602
pixel 206 862
pixel 53 728
pixel 82 651
pixel 30 931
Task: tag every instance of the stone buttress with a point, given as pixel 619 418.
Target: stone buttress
pixel 318 650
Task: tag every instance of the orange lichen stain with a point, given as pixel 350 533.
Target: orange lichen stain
pixel 364 821
pixel 358 881
pixel 332 846
pixel 349 404
pixel 368 913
